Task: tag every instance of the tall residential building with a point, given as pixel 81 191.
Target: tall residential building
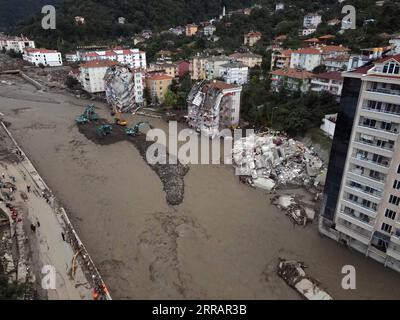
pixel 92 75
pixel 213 65
pixel 158 84
pixel 361 206
pixel 214 106
pixel 198 66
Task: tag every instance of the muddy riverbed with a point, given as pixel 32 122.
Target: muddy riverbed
pixel 222 242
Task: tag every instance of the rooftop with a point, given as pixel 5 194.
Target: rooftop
pixel 222 85
pixel 293 73
pixel 329 76
pixel 98 64
pixel 158 77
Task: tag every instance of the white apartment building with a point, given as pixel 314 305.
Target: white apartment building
pixel 17 44
pixel 234 73
pixel 312 20
pixel 213 66
pixel 362 193
pixel 45 57
pixel 306 58
pixel 331 82
pixel 92 75
pixel 133 58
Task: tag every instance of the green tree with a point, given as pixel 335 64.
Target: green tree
pixel 170 99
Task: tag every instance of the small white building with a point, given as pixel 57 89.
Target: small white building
pixel 395 42
pixel 234 73
pixel 279 6
pixel 307 31
pixel 71 57
pixel 92 75
pixel 45 57
pixel 312 20
pixel 306 58
pixel 16 44
pixel 121 20
pixel 329 125
pixel 209 30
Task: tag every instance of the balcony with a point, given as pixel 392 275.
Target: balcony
pixel 393 251
pixel 384 91
pixel 360 221
pixel 360 207
pixel 382 110
pixel 354 232
pixel 358 173
pixel 375 193
pixel 384 163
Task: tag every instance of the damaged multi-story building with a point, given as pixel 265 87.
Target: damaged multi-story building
pixel 214 106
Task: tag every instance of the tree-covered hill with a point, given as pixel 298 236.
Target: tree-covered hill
pixel 13 12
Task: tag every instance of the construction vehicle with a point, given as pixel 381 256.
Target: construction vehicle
pixel 135 129
pixel 104 130
pixel 118 120
pixel 88 115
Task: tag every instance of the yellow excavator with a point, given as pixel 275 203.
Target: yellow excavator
pixel 118 120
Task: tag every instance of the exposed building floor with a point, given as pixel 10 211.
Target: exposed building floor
pixel 223 242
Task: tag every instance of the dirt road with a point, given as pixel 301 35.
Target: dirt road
pixel 222 242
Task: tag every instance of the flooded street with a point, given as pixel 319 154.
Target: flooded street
pixel 222 242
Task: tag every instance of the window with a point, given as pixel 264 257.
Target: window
pixel 396 184
pixel 390 214
pixel 394 200
pixel 391 68
pixel 386 227
pixel 398 169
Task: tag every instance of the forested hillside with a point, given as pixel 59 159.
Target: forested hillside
pixel 13 12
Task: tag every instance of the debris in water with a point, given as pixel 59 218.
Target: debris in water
pixel 271 160
pixel 294 275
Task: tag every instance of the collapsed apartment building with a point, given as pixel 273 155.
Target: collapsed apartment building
pixel 214 106
pixel 124 87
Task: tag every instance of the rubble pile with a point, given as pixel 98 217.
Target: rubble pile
pixel 294 275
pixel 119 84
pixel 294 209
pixel 270 160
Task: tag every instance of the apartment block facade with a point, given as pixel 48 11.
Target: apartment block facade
pixel 361 206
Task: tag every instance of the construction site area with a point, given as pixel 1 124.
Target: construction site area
pixel 182 232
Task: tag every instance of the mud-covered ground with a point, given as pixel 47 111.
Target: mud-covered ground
pixel 222 242
pixel 171 175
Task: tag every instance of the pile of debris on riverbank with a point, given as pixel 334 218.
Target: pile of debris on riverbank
pixel 294 275
pixel 171 175
pixel 270 160
pixel 298 211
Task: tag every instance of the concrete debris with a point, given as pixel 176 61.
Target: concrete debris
pixel 273 156
pixel 294 208
pixel 8 83
pixel 294 275
pixel 119 82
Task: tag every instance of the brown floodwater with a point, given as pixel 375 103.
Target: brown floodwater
pixel 222 242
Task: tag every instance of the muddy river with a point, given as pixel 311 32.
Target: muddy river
pixel 222 242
